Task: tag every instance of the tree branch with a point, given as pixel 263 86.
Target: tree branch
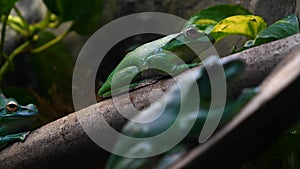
pixel 264 119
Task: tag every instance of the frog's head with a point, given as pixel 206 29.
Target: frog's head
pixel 15 117
pixel 189 38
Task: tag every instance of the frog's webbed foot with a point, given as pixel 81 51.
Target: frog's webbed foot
pixel 122 80
pixel 194 64
pixel 4 140
pixel 22 136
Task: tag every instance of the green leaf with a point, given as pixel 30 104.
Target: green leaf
pixel 283 28
pixel 89 21
pixel 247 25
pixel 68 9
pixel 6 6
pixel 288 145
pixel 53 68
pixel 206 19
pixel 85 14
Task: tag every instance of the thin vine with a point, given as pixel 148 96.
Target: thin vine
pixel 19 24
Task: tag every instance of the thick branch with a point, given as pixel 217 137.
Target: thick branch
pixel 63 143
pixel 269 114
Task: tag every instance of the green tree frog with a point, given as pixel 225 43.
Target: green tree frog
pixel 162 53
pixel 15 120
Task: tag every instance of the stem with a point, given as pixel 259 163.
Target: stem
pixel 3 36
pixel 44 24
pixel 11 57
pixel 52 42
pixel 13 22
pixel 18 12
pixel 4 55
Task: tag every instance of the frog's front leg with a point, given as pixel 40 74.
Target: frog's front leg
pixel 4 140
pixel 119 81
pixel 168 63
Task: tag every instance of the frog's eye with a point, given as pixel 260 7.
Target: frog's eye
pixel 12 106
pixel 191 32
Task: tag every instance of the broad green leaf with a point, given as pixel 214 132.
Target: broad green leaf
pixel 52 68
pixel 85 14
pixel 6 6
pixel 247 25
pixel 68 9
pixel 89 21
pixel 283 28
pixel 206 19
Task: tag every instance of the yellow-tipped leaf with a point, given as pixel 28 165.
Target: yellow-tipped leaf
pixel 247 25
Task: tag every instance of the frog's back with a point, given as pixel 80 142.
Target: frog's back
pixel 137 56
pixel 135 60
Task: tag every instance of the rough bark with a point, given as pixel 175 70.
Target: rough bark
pixel 63 143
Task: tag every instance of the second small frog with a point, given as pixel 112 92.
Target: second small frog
pixel 15 120
pixel 172 54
